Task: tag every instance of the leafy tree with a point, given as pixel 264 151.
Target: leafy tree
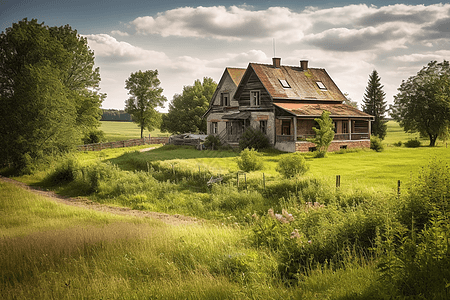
pixel 324 133
pixel 49 91
pixel 186 110
pixel 349 101
pixel 423 102
pixel 145 96
pixel 374 104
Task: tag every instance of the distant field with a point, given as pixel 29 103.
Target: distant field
pixel 395 133
pixel 118 131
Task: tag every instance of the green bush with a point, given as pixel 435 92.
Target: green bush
pixel 64 172
pixel 212 142
pixel 249 160
pixel 398 144
pixel 376 143
pixel 93 137
pixel 413 143
pixel 253 138
pixel 291 165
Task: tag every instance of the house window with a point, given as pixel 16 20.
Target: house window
pixel 284 83
pixel 214 128
pixel 286 127
pixel 263 126
pixel 321 85
pixel 335 127
pixel 255 98
pixel 344 127
pixel 225 99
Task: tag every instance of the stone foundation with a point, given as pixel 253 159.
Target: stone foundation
pixel 334 146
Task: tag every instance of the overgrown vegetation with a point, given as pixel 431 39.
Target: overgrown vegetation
pixel 253 138
pixel 268 235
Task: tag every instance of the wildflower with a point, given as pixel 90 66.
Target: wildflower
pixel 295 234
pixel 309 242
pixel 289 217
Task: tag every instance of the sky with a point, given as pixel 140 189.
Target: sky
pixel 190 40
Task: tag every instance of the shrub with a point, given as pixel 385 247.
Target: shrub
pixel 413 143
pixel 253 138
pixel 376 143
pixel 291 165
pixel 249 160
pixel 398 144
pixel 212 142
pixel 64 172
pixel 93 137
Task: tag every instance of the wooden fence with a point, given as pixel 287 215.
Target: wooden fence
pixel 121 144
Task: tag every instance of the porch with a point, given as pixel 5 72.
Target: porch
pixel 293 134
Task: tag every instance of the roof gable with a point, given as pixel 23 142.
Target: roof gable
pixel 303 84
pixel 236 74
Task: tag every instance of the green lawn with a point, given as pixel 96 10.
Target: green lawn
pixel 395 134
pixel 118 131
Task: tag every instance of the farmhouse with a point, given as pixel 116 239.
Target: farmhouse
pixel 282 102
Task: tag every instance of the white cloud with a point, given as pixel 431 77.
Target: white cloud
pixel 119 33
pixel 234 23
pixel 348 28
pixel 349 42
pixel 105 45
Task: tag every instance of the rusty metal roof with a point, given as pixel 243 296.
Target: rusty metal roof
pixel 303 83
pixel 236 74
pixel 315 110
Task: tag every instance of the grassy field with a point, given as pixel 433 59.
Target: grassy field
pixel 329 247
pixel 118 131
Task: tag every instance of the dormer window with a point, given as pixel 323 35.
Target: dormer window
pixel 284 83
pixel 321 85
pixel 225 99
pixel 255 98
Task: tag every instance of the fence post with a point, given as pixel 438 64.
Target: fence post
pixel 338 181
pixel 238 180
pixel 264 181
pixel 398 187
pixel 245 179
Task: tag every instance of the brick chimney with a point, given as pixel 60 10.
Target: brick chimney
pixel 304 65
pixel 276 62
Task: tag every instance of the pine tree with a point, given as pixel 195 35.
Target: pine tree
pixel 374 104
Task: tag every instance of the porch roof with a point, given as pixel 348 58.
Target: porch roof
pixel 237 116
pixel 337 110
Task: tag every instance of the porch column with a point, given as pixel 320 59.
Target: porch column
pixel 350 129
pixel 370 127
pixel 295 128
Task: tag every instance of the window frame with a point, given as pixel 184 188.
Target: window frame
pixel 257 99
pixel 263 126
pixel 214 127
pixel 283 126
pixel 227 98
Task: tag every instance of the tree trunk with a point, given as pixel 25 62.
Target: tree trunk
pixel 433 138
pixel 142 131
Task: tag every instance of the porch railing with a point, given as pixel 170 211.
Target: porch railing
pixel 337 137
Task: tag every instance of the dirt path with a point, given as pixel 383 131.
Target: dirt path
pixel 88 204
